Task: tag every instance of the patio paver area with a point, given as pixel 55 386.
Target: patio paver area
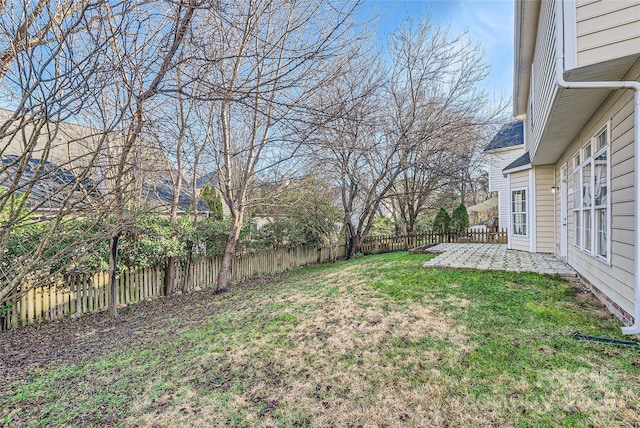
pixel 497 257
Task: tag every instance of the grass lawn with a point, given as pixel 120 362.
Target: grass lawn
pixel 377 341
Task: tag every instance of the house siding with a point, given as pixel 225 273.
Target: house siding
pixel 613 279
pixel 520 180
pixel 500 184
pixel 606 30
pixel 543 88
pixel 544 209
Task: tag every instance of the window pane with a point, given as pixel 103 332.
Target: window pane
pixel 519 224
pixel 601 173
pixel 519 212
pixel 587 199
pixel 576 189
pixel 577 230
pixel 587 151
pixel 587 229
pixel 601 231
pixel 601 140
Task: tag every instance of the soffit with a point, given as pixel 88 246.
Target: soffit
pixel 574 108
pixel 527 13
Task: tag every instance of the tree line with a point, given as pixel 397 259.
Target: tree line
pixel 292 111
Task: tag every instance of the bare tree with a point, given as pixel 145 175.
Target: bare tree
pixel 400 141
pixel 27 26
pixel 141 72
pixel 263 60
pixel 436 104
pixel 355 155
pixel 49 72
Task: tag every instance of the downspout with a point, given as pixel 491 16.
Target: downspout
pixel 635 86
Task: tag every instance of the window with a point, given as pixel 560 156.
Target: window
pixel 577 202
pixel 587 201
pixel 591 196
pixel 519 212
pixel 601 197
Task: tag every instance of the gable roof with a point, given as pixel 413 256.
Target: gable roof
pixel 209 178
pixel 59 170
pixel 50 185
pixel 510 135
pixel 523 162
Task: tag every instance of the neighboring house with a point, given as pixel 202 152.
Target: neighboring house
pixel 504 148
pixel 575 192
pixel 67 165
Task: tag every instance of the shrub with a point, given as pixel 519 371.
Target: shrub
pixel 212 198
pixel 442 222
pixel 459 219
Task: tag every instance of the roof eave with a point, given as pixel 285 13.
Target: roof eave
pixel 504 149
pixel 516 169
pixel 526 23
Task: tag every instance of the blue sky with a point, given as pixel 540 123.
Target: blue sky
pixel 487 22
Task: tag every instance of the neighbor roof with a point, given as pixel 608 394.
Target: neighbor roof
pixel 522 161
pixel 510 135
pixel 50 185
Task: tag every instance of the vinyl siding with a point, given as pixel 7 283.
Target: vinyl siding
pixel 499 183
pixel 614 279
pixel 607 30
pixel 544 209
pixel 520 180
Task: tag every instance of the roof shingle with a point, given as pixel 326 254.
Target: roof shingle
pixel 509 136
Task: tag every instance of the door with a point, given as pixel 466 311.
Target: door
pixel 563 211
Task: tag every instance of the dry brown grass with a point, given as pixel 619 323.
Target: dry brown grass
pixel 330 349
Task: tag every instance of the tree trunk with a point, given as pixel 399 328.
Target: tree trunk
pixel 355 240
pixel 187 268
pixel 229 251
pixel 169 276
pixel 113 259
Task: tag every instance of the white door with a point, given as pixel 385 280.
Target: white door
pixel 563 211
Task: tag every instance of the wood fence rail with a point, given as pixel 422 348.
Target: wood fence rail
pixel 399 243
pixel 75 294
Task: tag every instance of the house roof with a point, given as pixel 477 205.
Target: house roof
pixel 510 135
pixel 209 178
pixel 521 162
pixel 50 185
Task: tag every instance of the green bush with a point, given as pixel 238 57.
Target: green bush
pixel 442 222
pixel 381 227
pixel 212 198
pixel 284 232
pixel 459 219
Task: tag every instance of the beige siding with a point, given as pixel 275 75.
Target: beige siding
pixel 543 81
pixel 499 183
pixel 607 30
pixel 544 209
pixel 614 279
pixel 520 180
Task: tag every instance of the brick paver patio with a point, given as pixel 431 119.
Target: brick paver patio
pixel 497 257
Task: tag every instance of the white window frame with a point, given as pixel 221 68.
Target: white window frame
pixel 525 212
pixel 577 198
pixel 586 206
pixel 583 232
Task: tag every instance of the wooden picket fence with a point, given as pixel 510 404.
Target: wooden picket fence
pixel 76 294
pixel 400 243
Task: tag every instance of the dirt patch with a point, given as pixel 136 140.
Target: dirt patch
pixel 89 337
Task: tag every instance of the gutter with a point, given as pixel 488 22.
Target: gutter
pixel 635 86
